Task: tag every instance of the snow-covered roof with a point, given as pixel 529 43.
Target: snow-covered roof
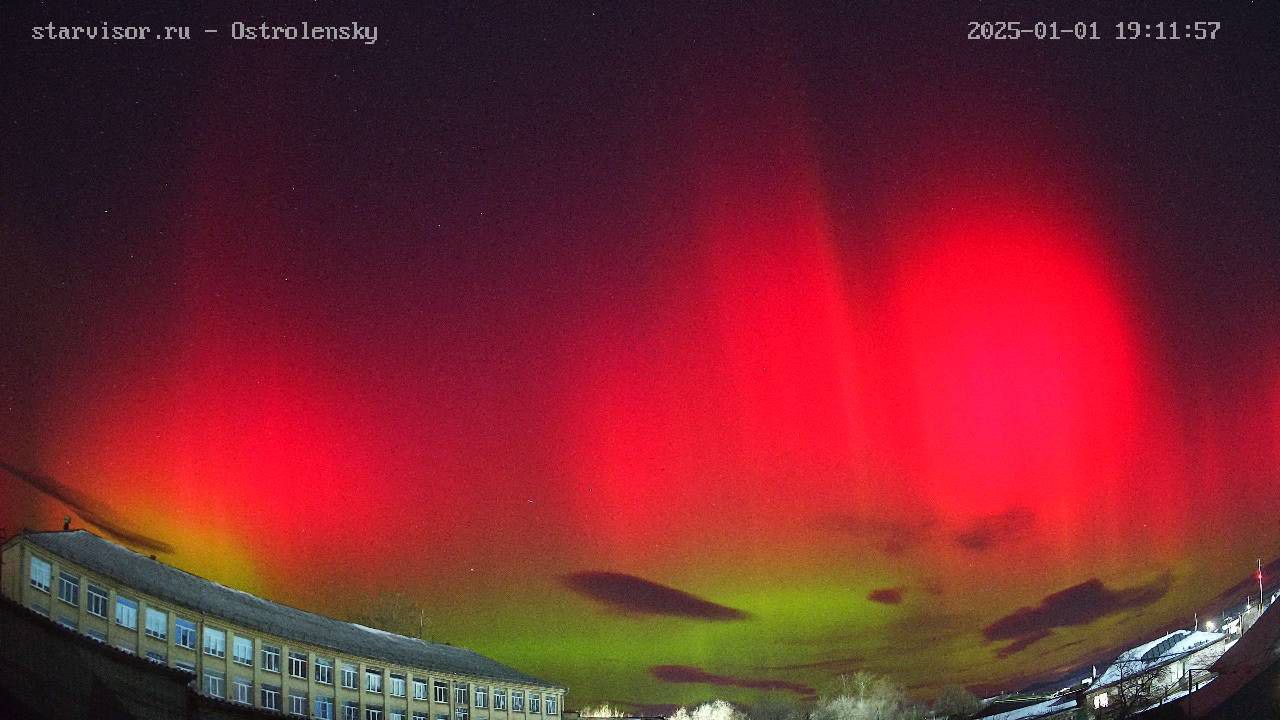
pixel 1040 709
pixel 1151 655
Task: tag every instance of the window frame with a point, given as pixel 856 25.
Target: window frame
pixel 420 684
pixel 273 652
pixel 148 630
pixel 440 692
pixel 298 660
pixel 349 670
pixel 247 684
pixel 184 629
pixel 370 674
pixel 535 703
pixel 461 693
pixel 131 606
pixel 395 680
pixel 480 697
pixel 215 677
pixel 74 583
pixel 517 701
pixel 95 595
pixel 47 572
pixel 325 664
pixel 294 699
pixel 273 690
pixel 217 649
pixel 237 642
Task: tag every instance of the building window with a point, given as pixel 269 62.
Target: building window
pixel 157 624
pixel 156 657
pixel 242 650
pixel 271 697
pixel 96 601
pixel 66 622
pixel 185 666
pixel 460 713
pixel 350 710
pixel 215 642
pixel 373 713
pixel 126 612
pixel 397 685
pixel 442 716
pixel 482 696
pixel 373 681
pixel 461 694
pixel 419 689
pixel 215 684
pixel 535 703
pixel 125 649
pixel 419 715
pixel 298 665
pixel 395 715
pixel 324 708
pixel 324 671
pixel 96 635
pixel 517 701
pixel 441 691
pixel 499 699
pixel 271 658
pixel 41 574
pixel 69 589
pixel 297 704
pixel 348 676
pixel 553 705
pixel 243 690
pixel 1100 701
pixel 184 633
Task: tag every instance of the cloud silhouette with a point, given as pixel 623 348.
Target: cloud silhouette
pixel 987 532
pixel 635 595
pixel 886 596
pixel 90 510
pixel 689 674
pixel 1077 605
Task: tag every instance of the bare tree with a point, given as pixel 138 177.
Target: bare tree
pixel 955 702
pixel 395 612
pixel 862 696
pixel 1136 691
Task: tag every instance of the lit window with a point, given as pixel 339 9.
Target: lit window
pixel 298 665
pixel 271 658
pixel 373 681
pixel 348 676
pixel 461 693
pixel 482 696
pixel 41 574
pixel 553 705
pixel 126 612
pixel 397 685
pixel 324 671
pixel 242 650
pixel 271 697
pixel 243 689
pixel 499 699
pixel 517 701
pixel 215 642
pixel 297 704
pixel 1100 701
pixel 184 633
pixel 215 684
pixel 419 689
pixel 96 601
pixel 69 589
pixel 157 623
pixel 535 703
pixel 324 708
pixel 441 691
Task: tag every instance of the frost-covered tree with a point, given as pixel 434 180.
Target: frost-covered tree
pixel 955 702
pixel 715 710
pixel 602 711
pixel 862 696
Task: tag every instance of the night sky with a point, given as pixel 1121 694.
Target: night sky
pixel 666 354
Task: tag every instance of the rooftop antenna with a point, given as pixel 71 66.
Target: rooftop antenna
pixel 1262 601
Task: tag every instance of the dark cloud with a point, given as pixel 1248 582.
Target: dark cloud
pixel 1077 605
pixel 886 596
pixel 91 511
pixel 689 674
pixel 989 531
pixel 634 595
pixel 1022 643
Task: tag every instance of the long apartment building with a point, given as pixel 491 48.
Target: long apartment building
pixel 252 651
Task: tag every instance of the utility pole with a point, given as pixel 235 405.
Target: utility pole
pixel 1262 600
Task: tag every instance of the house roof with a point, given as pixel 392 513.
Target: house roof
pixel 1154 654
pixel 191 591
pixel 1051 706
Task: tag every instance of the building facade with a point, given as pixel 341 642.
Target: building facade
pixel 252 651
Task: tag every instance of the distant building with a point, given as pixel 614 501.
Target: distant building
pixel 255 652
pixel 1165 669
